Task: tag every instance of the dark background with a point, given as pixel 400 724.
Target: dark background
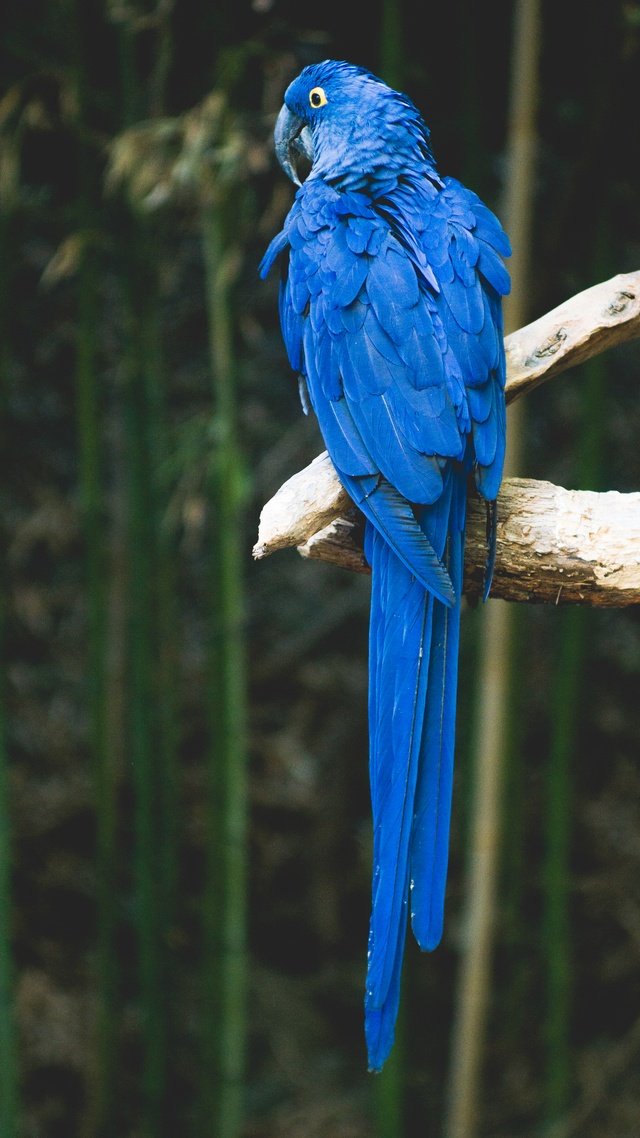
pixel 111 515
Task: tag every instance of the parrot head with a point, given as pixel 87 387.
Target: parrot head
pixel 348 124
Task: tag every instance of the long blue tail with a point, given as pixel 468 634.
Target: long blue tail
pixel 413 666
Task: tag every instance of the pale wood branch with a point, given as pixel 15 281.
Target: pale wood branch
pixel 304 504
pixel 553 544
pixel 598 318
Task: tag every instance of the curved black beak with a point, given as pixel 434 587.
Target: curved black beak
pixel 292 137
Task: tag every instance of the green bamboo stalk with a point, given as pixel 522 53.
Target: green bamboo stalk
pixel 8 1056
pixel 391 54
pixel 165 617
pixel 140 657
pixel 151 643
pixel 148 756
pixel 9 1088
pixel 390 1084
pixel 469 85
pixel 93 517
pixel 568 703
pixel 495 678
pixel 92 507
pixel 515 995
pixel 225 912
pixel 556 923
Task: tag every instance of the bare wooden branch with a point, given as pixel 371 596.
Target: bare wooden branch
pixel 553 544
pixel 593 320
pixel 341 543
pixel 304 504
pixel 558 546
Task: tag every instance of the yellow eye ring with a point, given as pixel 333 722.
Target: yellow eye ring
pixel 317 98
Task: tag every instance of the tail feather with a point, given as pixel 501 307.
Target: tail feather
pixel 432 814
pixel 412 686
pixel 394 518
pixel 380 1021
pixel 400 626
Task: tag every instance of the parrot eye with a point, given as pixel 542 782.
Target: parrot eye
pixel 317 97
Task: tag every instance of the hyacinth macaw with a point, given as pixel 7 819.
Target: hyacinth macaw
pixel 390 306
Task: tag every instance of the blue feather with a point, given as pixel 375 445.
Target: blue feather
pixel 354 315
pixel 465 304
pixel 391 311
pixel 493 270
pixel 401 672
pixel 423 356
pixel 365 369
pixel 481 402
pixel 380 342
pixel 358 234
pixel 489 437
pixel 430 835
pixel 392 516
pixel 392 288
pixel 277 246
pixel 406 467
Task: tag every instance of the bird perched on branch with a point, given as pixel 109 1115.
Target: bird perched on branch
pixel 390 306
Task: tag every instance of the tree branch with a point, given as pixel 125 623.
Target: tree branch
pixel 554 545
pixel 598 318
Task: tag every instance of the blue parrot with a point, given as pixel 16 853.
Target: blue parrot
pixel 390 306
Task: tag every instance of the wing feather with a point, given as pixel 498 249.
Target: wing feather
pixel 411 365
